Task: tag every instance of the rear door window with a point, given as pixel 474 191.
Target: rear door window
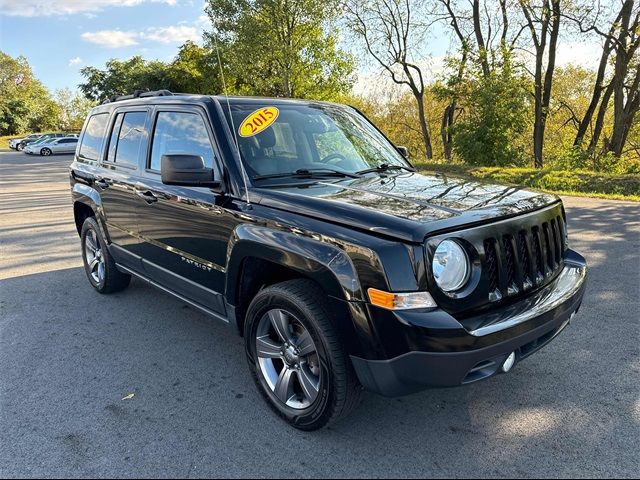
pixel 91 146
pixel 180 132
pixel 128 139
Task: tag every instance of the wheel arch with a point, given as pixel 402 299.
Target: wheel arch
pixel 87 203
pixel 259 257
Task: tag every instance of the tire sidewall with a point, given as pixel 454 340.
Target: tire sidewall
pixel 320 411
pixel 88 225
pixel 45 152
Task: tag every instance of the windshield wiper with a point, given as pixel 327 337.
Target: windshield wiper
pixel 309 173
pixel 385 167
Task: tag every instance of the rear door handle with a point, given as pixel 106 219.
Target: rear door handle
pixel 147 196
pixel 101 183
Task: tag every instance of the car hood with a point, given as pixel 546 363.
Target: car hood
pixel 407 206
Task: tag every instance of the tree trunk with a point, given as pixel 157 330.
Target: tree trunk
pixel 624 118
pixel 597 87
pixel 426 136
pixel 445 130
pixel 624 111
pixel 597 129
pixel 482 48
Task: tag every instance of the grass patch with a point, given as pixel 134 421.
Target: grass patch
pixel 584 183
pixel 4 141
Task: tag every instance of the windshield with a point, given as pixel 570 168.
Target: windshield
pixel 285 138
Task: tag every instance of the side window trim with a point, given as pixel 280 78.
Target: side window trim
pixel 114 125
pixel 217 165
pixel 104 161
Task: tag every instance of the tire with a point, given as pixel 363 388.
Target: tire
pixel 327 372
pixel 20 147
pixel 103 274
pixel 45 152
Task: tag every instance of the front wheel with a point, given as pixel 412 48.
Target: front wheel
pixel 100 268
pixel 20 147
pixel 45 152
pixel 296 356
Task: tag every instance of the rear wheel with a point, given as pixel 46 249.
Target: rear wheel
pixel 296 356
pixel 20 147
pixel 98 264
pixel 45 152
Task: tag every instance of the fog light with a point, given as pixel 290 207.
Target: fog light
pixel 508 363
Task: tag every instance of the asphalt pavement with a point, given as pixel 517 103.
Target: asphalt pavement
pixel 69 356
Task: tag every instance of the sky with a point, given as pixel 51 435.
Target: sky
pixel 59 37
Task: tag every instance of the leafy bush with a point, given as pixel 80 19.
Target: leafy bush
pixel 495 117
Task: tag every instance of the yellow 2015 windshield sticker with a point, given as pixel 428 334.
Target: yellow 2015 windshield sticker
pixel 257 121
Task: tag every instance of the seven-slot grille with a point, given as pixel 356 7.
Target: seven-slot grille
pixel 510 258
pixel 517 262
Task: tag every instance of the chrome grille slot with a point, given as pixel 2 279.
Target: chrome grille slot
pixel 491 265
pixel 509 265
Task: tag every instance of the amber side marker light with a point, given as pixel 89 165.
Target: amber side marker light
pixel 400 301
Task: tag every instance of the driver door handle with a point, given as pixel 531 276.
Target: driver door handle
pixel 147 196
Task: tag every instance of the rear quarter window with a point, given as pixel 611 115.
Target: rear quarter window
pixel 93 136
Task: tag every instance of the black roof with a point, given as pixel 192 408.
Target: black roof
pixel 164 96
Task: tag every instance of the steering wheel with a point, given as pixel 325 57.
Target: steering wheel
pixel 334 159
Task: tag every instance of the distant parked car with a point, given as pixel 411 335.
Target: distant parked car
pixel 21 146
pixel 53 146
pixel 14 142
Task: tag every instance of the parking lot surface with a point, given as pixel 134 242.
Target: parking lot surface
pixel 68 357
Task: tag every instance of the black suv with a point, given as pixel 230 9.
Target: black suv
pixel 301 226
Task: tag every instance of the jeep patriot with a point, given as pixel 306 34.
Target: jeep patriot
pixel 300 225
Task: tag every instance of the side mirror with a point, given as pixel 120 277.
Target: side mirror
pixel 404 151
pixel 187 171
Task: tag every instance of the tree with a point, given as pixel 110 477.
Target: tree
pixel 495 119
pixel 626 77
pixel 74 108
pixel 598 87
pixel 392 32
pixel 25 104
pixel 482 31
pixel 121 77
pixel 543 21
pixel 282 48
pixel 195 70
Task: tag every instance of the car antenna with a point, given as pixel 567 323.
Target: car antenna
pixel 233 127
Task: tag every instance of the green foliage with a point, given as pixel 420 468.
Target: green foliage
pixel 25 104
pixel 193 70
pixel 495 118
pixel 74 108
pixel 121 77
pixel 282 48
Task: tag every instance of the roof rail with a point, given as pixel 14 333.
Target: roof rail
pixel 138 94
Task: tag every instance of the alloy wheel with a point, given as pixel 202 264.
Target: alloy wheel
pixel 288 359
pixel 94 257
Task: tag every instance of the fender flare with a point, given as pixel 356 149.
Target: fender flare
pixel 87 195
pixel 321 261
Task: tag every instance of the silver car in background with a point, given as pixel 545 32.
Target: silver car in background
pixel 14 142
pixel 53 146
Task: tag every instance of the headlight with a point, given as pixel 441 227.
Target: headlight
pixel 450 266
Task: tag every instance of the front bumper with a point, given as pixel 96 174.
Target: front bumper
pixel 445 353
